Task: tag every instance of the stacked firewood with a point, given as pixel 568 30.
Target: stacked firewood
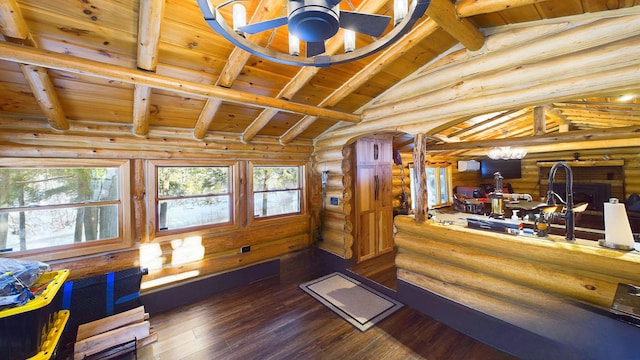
pixel 113 332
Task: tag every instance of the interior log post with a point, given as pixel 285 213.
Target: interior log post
pixel 420 178
pixel 539 120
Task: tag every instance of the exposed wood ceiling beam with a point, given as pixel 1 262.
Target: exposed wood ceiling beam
pixel 76 65
pixel 141 109
pixel 547 139
pixel 444 13
pixel 267 9
pixel 460 132
pixel 301 79
pixel 151 15
pixel 587 105
pixel 11 21
pixel 150 19
pixel 394 51
pixel 466 8
pixel 14 26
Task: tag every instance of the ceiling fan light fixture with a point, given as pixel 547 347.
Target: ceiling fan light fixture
pixel 323 14
pixel 625 98
pixel 294 45
pixel 400 10
pixel 349 40
pixel 506 153
pixel 313 22
pixel 239 18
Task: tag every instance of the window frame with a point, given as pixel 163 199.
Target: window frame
pixel 153 199
pixel 125 224
pixel 302 183
pixel 449 184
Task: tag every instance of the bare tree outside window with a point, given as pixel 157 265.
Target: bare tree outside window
pixel 276 190
pixel 193 196
pixel 43 207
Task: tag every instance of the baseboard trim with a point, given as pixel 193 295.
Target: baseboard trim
pixel 169 298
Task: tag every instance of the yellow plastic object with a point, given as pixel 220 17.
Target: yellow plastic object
pixel 55 280
pixel 50 342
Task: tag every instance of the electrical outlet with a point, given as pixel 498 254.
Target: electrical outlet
pixel 245 249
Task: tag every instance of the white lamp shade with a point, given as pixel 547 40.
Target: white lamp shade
pixel 400 10
pixel 239 17
pixel 294 45
pixel 349 40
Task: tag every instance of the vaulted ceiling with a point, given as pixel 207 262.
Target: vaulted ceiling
pixel 154 69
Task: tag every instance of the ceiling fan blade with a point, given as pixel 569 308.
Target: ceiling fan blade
pixel 333 2
pixel 315 48
pixel 369 24
pixel 264 25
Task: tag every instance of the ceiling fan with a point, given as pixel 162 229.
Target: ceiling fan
pixel 315 21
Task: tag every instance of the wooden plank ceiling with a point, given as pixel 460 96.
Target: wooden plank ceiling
pixel 149 68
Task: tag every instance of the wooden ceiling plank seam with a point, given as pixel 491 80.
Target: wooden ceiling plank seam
pixel 444 13
pixel 151 13
pixel 72 64
pixel 302 78
pixel 37 77
pixel 467 8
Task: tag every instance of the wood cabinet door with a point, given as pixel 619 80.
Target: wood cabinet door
pixel 366 208
pixel 374 207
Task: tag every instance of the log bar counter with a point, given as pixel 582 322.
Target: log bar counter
pixel 529 296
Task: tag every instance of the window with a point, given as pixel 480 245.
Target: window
pixel 193 196
pixel 50 203
pixel 277 190
pixel 439 185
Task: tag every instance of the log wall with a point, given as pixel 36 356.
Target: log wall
pixel 268 239
pixel 336 222
pixel 514 278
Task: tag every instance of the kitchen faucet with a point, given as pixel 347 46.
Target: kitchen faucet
pixel 569 218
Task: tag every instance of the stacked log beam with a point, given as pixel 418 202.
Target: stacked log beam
pixel 337 226
pixel 570 57
pixel 512 278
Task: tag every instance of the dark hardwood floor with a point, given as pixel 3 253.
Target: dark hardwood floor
pixel 274 319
